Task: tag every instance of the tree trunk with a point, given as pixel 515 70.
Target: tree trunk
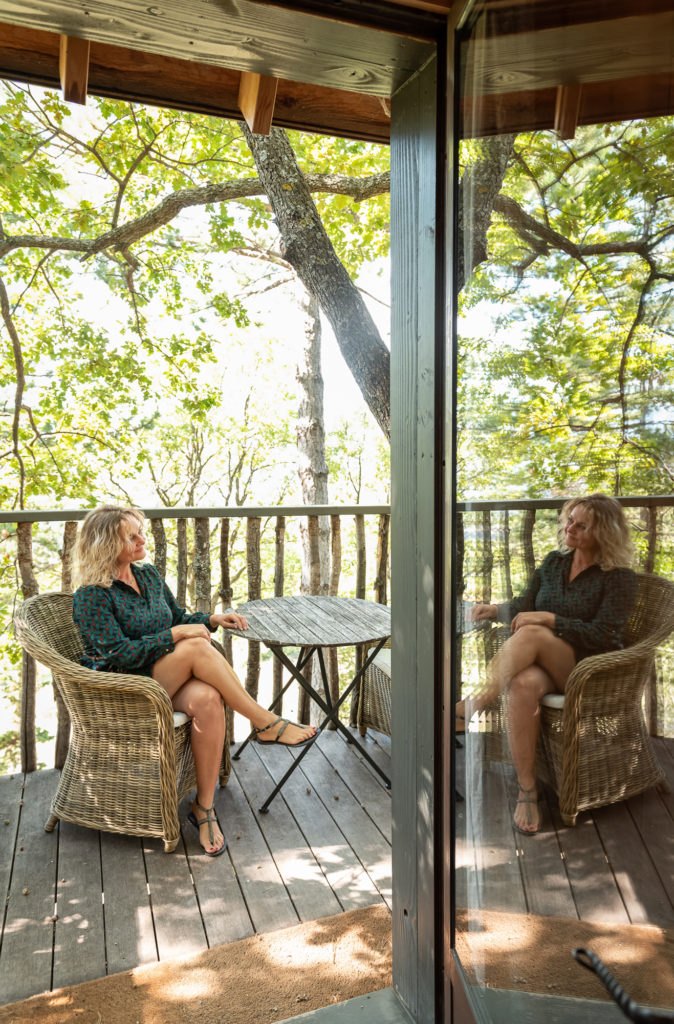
pixel 308 249
pixel 312 468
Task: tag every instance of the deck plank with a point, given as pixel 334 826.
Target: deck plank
pixel 11 790
pixel 361 779
pixel 347 877
pixel 640 887
pixel 365 839
pixel 26 957
pixel 266 896
pixel 307 886
pixel 595 892
pixel 223 908
pixel 652 819
pixel 79 935
pixel 129 929
pixel 175 909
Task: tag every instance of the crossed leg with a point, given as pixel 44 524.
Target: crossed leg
pixel 531 663
pixel 204 706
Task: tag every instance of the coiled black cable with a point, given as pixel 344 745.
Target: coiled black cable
pixel 586 958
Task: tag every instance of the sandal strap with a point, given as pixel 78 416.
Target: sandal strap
pixel 211 816
pixel 270 726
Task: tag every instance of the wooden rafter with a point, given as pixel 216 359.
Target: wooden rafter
pixel 257 98
pixel 74 68
pixel 567 110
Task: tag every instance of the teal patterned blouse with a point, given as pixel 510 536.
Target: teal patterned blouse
pixel 590 611
pixel 123 631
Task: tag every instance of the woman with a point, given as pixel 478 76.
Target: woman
pixel 130 622
pixel 575 605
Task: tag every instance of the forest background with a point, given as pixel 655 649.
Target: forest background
pixel 161 334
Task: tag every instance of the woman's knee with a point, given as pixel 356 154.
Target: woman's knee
pixel 532 682
pixel 201 700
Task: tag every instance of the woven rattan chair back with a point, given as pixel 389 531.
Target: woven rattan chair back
pixel 49 617
pixel 652 617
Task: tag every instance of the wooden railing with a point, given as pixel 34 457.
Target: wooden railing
pixel 192 576
pixel 499 543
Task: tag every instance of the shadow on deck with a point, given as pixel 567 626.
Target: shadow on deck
pixel 81 904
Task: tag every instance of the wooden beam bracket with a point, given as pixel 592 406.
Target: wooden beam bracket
pixel 567 110
pixel 74 68
pixel 257 98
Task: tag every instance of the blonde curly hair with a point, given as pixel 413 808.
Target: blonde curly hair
pixel 610 529
pixel 99 544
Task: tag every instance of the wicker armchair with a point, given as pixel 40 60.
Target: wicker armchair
pixel 594 746
pixel 374 698
pixel 129 762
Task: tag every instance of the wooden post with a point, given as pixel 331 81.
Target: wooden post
pixel 506 556
pixel 527 541
pixel 62 716
pixel 159 540
pixel 380 583
pixel 202 565
pixel 181 540
pixel 254 590
pixel 304 703
pixel 226 596
pixel 335 573
pixel 279 586
pixel 361 569
pixel 24 542
pixel 487 567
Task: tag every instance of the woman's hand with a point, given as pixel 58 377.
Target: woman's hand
pixel 482 612
pixel 533 619
pixel 229 620
pixel 190 629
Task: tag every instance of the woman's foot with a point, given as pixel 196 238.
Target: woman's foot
pixel 205 820
pixel 527 817
pixel 280 730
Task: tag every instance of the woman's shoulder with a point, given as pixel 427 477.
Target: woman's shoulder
pixel 90 593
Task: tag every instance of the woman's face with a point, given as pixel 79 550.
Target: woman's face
pixel 578 530
pixel 133 541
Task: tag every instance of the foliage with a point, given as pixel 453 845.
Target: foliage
pixel 566 361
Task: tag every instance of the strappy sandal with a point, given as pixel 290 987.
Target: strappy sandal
pixel 527 798
pixel 211 816
pixel 277 738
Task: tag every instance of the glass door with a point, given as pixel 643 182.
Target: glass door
pixel 562 516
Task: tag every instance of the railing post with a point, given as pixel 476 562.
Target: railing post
pixel 202 565
pixel 62 716
pixel 380 583
pixel 361 569
pixel 24 539
pixel 254 591
pixel 159 540
pixel 335 573
pixel 181 582
pixel 226 596
pixel 279 586
pixel 527 541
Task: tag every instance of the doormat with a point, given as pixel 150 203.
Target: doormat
pixel 531 953
pixel 262 979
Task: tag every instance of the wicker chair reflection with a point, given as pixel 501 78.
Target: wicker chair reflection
pixel 129 761
pixel 594 745
pixel 374 698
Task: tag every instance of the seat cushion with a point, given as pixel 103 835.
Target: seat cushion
pixel 553 700
pixel 383 661
pixel 179 718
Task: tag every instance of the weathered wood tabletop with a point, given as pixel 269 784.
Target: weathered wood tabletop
pixel 314 621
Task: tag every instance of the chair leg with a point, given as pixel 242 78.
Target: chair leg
pixel 50 825
pixel 170 845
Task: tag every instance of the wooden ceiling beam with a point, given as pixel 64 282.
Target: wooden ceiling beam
pixel 74 68
pixel 257 98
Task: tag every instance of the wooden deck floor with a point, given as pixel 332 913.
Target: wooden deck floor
pixel 616 866
pixel 80 904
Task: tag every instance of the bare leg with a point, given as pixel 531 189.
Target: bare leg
pixel 530 645
pixel 194 658
pixel 204 706
pixel 523 722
